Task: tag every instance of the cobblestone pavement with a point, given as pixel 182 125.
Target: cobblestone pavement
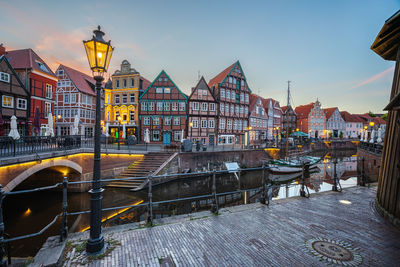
pixel 257 235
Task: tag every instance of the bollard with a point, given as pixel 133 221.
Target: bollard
pixel 64 226
pixel 150 211
pixel 334 186
pixel 2 195
pixel 214 208
pixel 262 198
pixel 302 191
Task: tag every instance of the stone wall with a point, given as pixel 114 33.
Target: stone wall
pixel 372 162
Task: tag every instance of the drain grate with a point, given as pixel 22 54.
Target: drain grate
pixel 334 251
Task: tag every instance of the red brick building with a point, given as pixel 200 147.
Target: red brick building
pixel 203 110
pixel 231 90
pixel 75 95
pixel 311 119
pixel 163 111
pixel 39 80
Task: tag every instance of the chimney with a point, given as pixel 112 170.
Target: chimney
pixel 2 50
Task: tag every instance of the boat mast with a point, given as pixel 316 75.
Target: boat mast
pixel 287 119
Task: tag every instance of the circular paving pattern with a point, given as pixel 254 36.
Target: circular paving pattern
pixel 334 251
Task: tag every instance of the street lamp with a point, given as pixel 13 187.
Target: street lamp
pixel 99 54
pixel 248 136
pixel 119 125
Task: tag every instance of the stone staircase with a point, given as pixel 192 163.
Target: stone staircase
pixel 141 168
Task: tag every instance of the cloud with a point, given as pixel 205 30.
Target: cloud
pixel 374 78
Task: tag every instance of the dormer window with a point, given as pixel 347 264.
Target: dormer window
pixel 4 77
pixel 42 66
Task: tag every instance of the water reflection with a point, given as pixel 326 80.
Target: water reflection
pixel 29 213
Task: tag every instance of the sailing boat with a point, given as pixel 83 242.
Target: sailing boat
pixel 291 165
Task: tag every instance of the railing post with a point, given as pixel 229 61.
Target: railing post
pixel 362 182
pixel 64 227
pixel 262 198
pixel 2 261
pixel 304 168
pixel 150 195
pixel 14 147
pixel 214 208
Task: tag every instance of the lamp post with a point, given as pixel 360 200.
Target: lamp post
pixel 191 127
pixel 99 54
pixel 119 125
pixel 248 136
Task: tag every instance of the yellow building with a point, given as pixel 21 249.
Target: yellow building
pixel 122 101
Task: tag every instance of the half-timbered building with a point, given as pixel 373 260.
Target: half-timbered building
pixel 203 108
pixel 289 118
pixel 233 94
pixel 40 82
pixel 14 99
pixel 258 120
pixel 75 95
pixel 163 111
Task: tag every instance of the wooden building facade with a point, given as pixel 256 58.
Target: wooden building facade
pixel 163 111
pixel 203 108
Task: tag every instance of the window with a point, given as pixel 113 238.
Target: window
pixel 60 72
pixel 246 110
pixel 131 115
pixel 167 121
pixel 151 106
pixel 116 99
pixel 242 82
pixel 212 106
pixel 132 82
pixel 167 90
pixel 42 66
pixel 174 106
pixel 156 120
pixel 244 124
pixel 203 124
pixel 241 97
pixel 226 109
pixel 232 109
pixel 124 117
pixel 195 105
pixel 177 136
pixel 117 83
pixel 167 106
pixel 124 98
pixel 159 90
pixel 156 135
pixel 66 98
pixel 73 98
pixel 211 124
pixel 247 98
pixel 237 110
pixel 222 123
pixel 132 98
pixel 8 101
pixel 229 124
pixel 241 110
pixel 21 103
pixel 47 109
pixel 144 106
pixel 195 123
pixel 221 107
pixel 204 106
pixel 49 91
pixel 160 106
pixel 177 120
pixel 181 106
pixel 228 94
pixel 146 121
pixel 222 93
pixel 124 83
pixel 235 125
pixel 233 95
pixel 230 80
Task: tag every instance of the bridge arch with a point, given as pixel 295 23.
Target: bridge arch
pixel 41 166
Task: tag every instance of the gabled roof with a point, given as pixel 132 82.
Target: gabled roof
pixel 151 84
pixel 3 58
pixel 28 59
pixel 82 82
pixel 347 117
pixel 329 112
pixel 266 102
pixel 221 76
pixel 303 110
pixel 378 120
pixel 145 82
pixel 284 108
pixel 203 82
pixel 253 101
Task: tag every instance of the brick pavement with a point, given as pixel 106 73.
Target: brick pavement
pixel 257 235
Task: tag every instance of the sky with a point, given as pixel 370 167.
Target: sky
pixel 322 47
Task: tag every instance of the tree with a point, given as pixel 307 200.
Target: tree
pixel 385 116
pixel 371 114
pixel 341 134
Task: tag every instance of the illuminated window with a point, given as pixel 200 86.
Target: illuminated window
pixel 167 90
pixel 156 121
pixel 8 101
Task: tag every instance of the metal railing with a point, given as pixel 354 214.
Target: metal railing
pixel 372 147
pixel 265 191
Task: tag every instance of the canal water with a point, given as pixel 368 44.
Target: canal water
pixel 29 213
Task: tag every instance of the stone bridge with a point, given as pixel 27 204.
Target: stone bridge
pixel 47 171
